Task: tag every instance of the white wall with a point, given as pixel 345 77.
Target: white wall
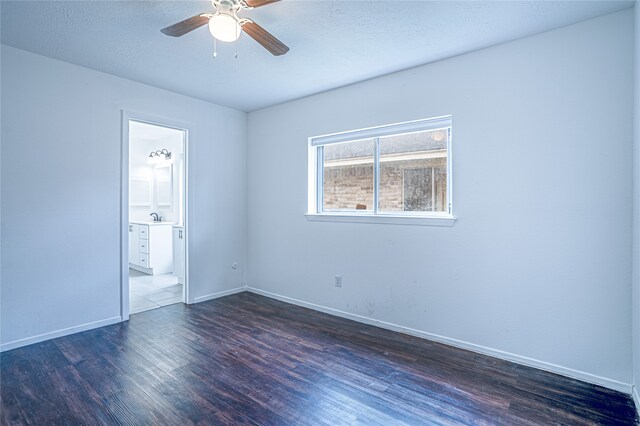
pixel 537 264
pixel 636 216
pixel 61 127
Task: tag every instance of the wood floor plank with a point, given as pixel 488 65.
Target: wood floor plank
pixel 249 360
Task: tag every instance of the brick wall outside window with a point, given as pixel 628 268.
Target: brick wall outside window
pixel 347 186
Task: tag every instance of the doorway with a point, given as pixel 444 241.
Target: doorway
pixel 154 205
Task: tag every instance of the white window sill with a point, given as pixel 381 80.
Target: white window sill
pixel 384 219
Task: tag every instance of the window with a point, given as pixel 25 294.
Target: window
pixel 399 170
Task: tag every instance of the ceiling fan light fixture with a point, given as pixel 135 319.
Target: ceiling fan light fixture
pixel 224 27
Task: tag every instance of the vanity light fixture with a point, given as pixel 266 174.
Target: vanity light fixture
pixel 159 156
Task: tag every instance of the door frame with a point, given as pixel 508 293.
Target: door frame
pixel 128 116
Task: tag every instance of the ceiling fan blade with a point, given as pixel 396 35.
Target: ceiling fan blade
pixel 266 39
pixel 183 27
pixel 259 3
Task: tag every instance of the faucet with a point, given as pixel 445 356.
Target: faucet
pixel 156 218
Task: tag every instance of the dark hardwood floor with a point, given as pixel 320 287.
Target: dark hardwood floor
pixel 247 359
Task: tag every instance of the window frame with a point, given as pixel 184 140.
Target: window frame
pixel 316 175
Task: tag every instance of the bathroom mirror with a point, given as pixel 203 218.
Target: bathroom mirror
pixel 139 191
pixel 163 176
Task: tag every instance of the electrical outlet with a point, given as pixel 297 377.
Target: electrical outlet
pixel 338 280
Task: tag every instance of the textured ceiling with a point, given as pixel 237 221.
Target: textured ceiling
pixel 333 43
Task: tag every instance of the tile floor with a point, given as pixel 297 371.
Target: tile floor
pixel 152 291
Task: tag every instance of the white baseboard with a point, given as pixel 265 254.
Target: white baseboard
pixel 89 326
pixel 636 398
pixel 219 294
pixel 59 333
pixel 141 269
pixel 542 365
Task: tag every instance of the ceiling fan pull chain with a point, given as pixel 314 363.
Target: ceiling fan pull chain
pixel 236 44
pixel 215 48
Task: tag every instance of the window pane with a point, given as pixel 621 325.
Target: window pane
pixel 413 172
pixel 348 175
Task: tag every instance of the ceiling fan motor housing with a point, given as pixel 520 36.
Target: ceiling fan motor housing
pixel 227 6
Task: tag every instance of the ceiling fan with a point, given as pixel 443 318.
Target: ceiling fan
pixel 225 25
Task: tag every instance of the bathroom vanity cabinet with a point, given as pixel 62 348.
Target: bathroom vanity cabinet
pixel 151 247
pixel 179 253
